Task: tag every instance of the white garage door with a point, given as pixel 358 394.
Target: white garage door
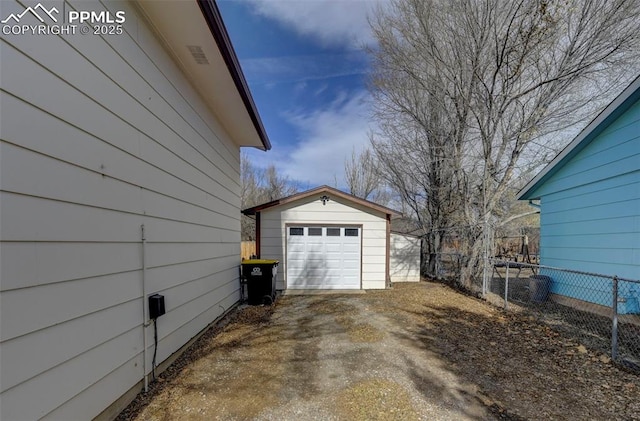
pixel 323 257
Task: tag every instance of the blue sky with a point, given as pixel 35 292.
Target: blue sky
pixel 306 68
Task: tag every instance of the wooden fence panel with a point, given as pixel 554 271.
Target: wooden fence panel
pixel 247 249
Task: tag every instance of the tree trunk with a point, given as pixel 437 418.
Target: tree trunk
pixel 431 249
pixel 471 271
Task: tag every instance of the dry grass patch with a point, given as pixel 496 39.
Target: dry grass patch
pixel 364 332
pixel 376 399
pixel 359 332
pixel 237 374
pixel 325 306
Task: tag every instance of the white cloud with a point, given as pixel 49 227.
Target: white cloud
pixel 332 22
pixel 327 138
pixel 300 68
pixel 324 137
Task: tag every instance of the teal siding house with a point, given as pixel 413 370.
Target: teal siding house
pixel 589 199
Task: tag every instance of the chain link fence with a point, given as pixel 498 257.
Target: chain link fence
pixel 600 311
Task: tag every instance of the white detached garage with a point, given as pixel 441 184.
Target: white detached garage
pixel 325 239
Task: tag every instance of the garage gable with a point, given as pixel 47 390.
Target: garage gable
pixel 329 193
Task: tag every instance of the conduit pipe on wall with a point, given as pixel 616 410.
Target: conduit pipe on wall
pixel 145 310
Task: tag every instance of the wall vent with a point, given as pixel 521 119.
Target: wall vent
pixel 198 54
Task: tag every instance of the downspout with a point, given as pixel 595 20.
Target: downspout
pixel 145 309
pixel 388 256
pixel 258 228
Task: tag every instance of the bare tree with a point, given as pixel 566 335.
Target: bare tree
pixel 275 186
pixel 249 183
pixel 471 92
pixel 420 163
pixel 260 186
pixel 250 193
pixel 360 173
pixel 363 178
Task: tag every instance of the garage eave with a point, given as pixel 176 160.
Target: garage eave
pixel 329 191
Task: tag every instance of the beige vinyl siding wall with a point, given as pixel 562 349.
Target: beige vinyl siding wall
pixel 405 258
pixel 311 211
pixel 100 135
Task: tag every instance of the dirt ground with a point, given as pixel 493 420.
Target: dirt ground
pixel 417 351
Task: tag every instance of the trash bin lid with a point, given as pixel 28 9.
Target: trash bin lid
pixel 260 262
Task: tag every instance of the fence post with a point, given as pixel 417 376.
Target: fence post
pixel 614 328
pixel 506 288
pixel 485 257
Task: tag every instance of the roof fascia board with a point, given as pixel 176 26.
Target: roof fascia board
pixel 219 31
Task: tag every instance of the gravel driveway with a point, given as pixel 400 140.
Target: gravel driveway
pixel 417 351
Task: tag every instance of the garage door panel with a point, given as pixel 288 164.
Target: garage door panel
pixel 324 261
pixel 322 282
pixel 295 249
pixel 297 268
pixel 335 264
pixel 324 286
pixel 311 264
pixel 333 248
pixel 351 248
pixel 333 256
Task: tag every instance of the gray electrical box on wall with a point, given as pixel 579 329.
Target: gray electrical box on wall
pixel 156 306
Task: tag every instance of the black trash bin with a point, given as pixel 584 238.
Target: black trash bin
pixel 539 288
pixel 260 275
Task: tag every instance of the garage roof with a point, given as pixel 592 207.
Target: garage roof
pixel 322 189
